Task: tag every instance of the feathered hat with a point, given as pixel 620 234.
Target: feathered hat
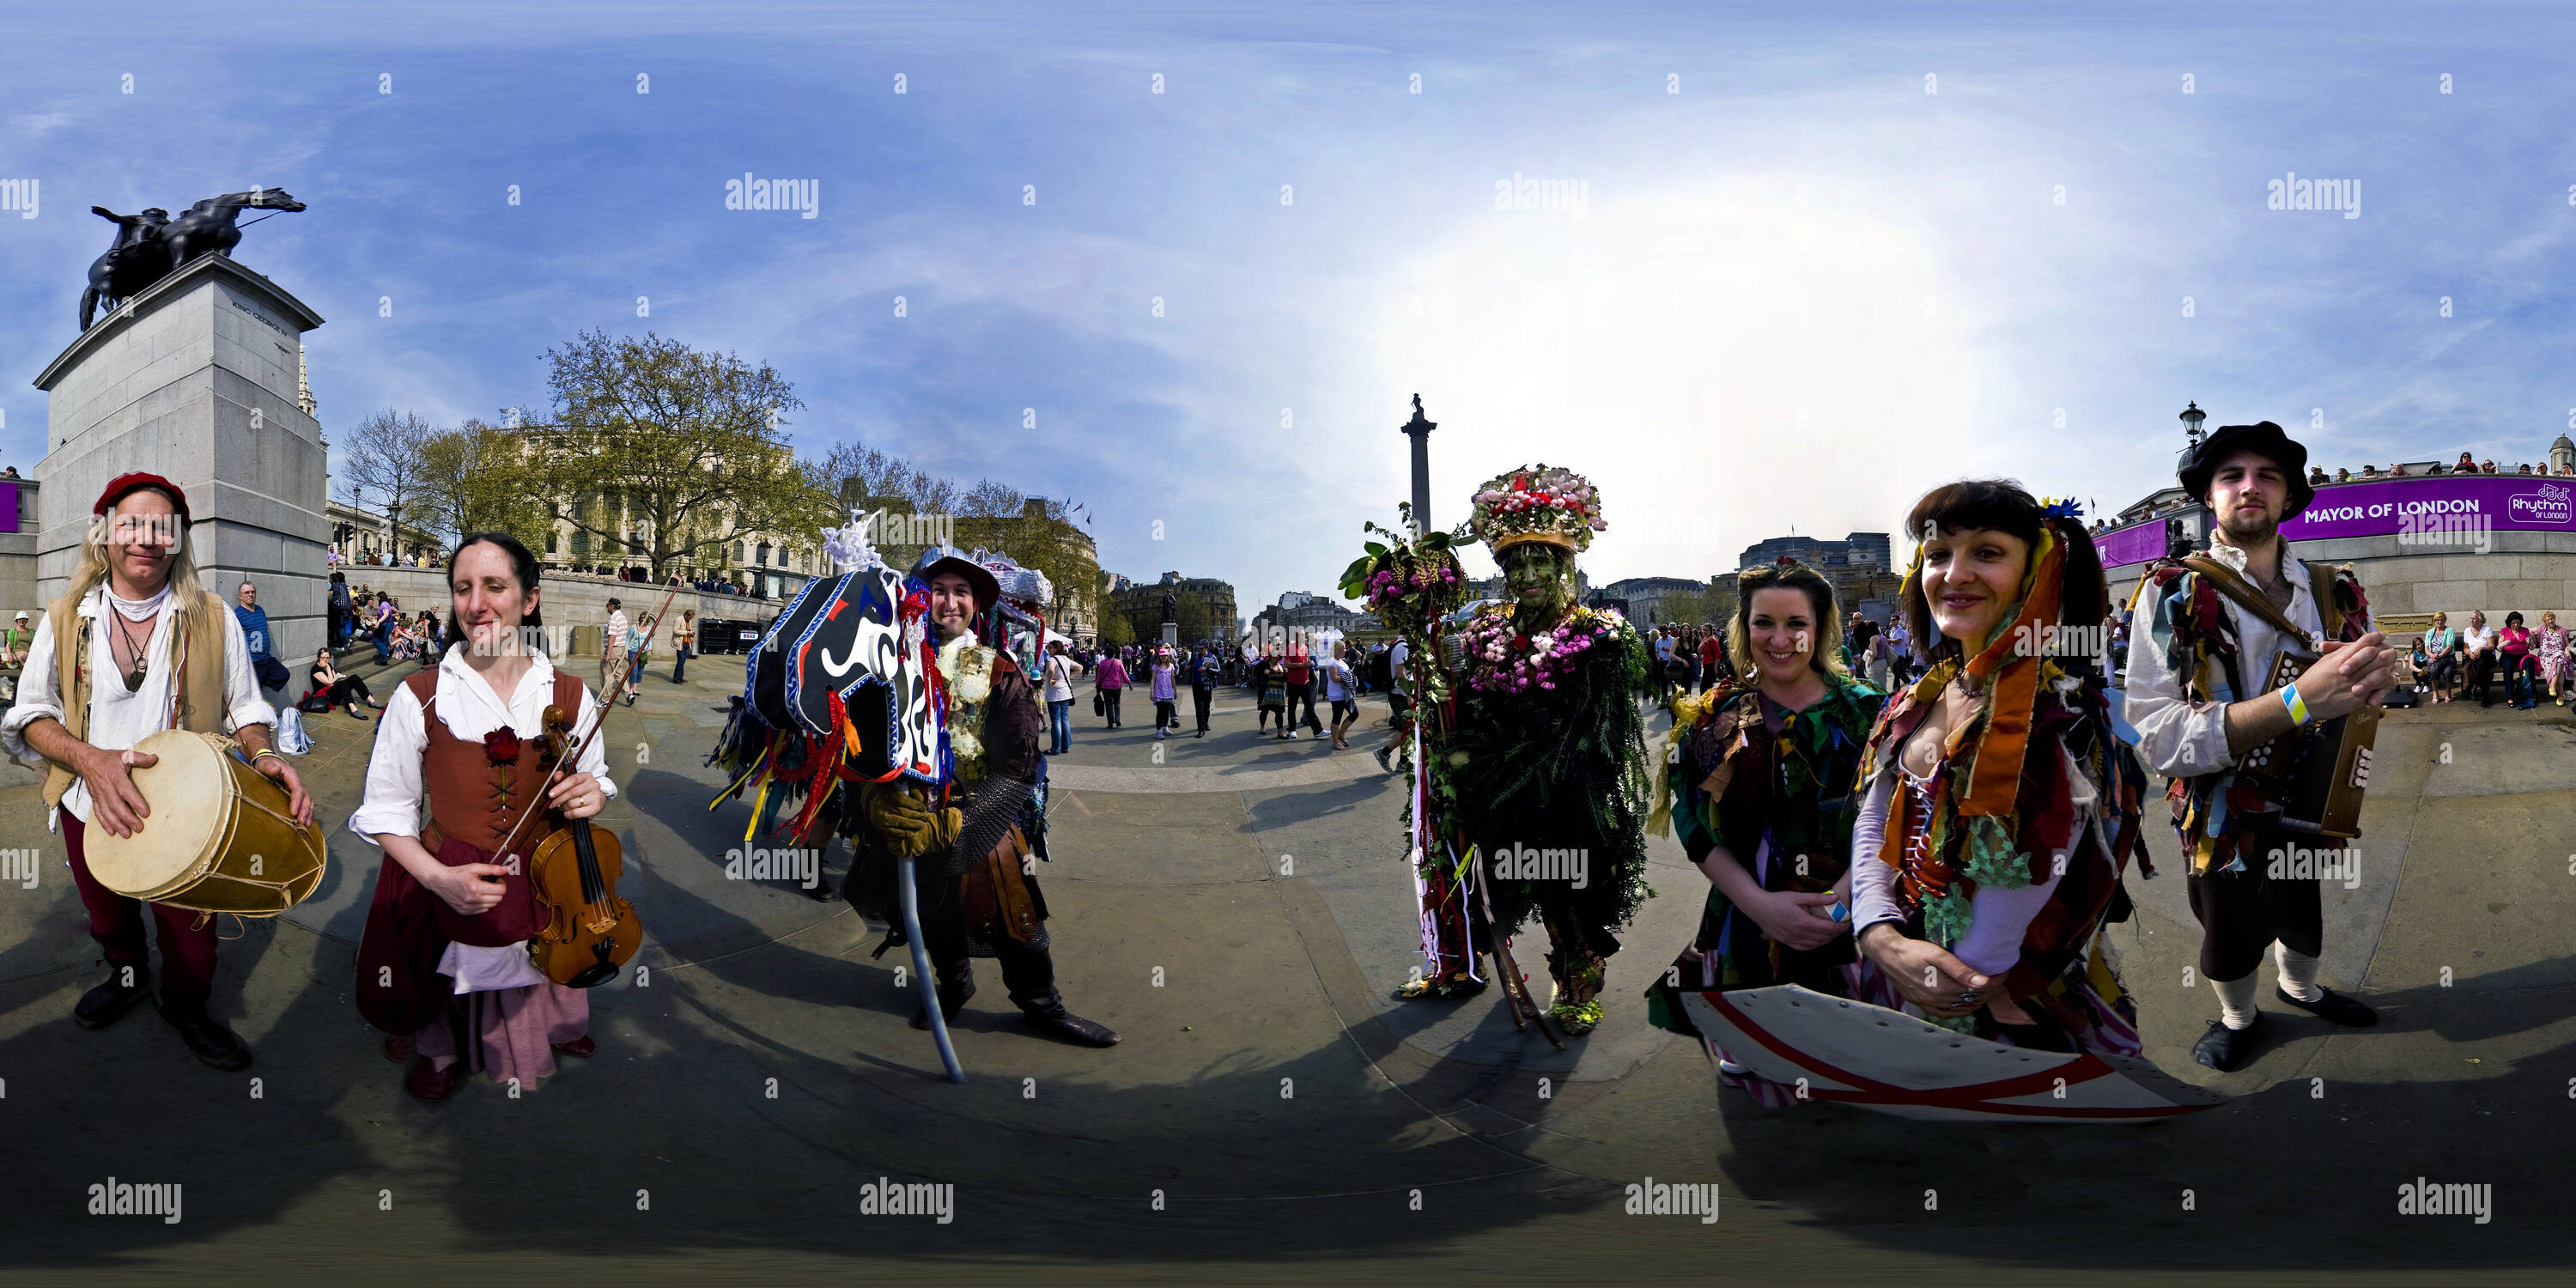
pixel 1537 503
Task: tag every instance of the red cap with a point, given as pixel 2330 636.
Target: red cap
pixel 123 483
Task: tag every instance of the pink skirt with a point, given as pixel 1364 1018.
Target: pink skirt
pixel 516 1030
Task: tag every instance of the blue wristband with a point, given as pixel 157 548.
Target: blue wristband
pixel 2298 707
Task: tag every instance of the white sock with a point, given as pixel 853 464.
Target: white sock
pixel 2298 973
pixel 2236 1001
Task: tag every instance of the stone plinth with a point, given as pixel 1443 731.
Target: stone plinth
pixel 195 380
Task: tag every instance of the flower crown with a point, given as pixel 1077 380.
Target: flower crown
pixel 1537 503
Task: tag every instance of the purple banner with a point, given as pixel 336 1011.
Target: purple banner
pixel 8 505
pixel 2443 508
pixel 2131 545
pixel 2500 502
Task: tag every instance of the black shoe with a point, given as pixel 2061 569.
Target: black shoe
pixel 1059 1022
pixel 2223 1048
pixel 2334 1008
pixel 823 891
pixel 216 1046
pixel 101 1006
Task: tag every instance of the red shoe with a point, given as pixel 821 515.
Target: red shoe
pixel 429 1084
pixel 398 1050
pixel 580 1046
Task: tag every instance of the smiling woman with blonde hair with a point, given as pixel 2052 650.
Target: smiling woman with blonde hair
pixel 1760 794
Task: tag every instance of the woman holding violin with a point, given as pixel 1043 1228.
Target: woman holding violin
pixel 459 798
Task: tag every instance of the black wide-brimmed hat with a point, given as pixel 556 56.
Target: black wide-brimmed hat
pixel 939 559
pixel 2263 438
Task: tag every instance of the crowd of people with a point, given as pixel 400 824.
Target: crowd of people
pixel 2317 476
pixel 2528 665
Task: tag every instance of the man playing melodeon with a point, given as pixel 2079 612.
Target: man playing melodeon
pixel 2198 698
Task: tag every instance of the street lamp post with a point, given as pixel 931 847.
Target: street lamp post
pixel 2192 415
pixel 393 541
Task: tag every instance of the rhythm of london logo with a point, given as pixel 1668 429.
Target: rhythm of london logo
pixel 19 195
pixel 1677 1198
pixel 804 196
pixel 2421 1197
pixel 804 867
pixel 2295 193
pixel 2552 506
pixel 118 1198
pixel 2299 863
pixel 882 1197
pixel 1518 862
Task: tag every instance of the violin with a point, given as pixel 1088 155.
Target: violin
pixel 590 932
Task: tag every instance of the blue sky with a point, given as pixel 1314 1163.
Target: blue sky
pixel 1797 292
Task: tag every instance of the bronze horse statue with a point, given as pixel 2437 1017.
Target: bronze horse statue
pixel 151 245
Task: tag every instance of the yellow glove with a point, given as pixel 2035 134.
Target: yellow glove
pixel 944 828
pixel 903 819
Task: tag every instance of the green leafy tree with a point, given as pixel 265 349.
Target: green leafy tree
pixel 666 453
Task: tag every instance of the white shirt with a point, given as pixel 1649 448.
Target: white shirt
pixel 1395 666
pixel 470 709
pixel 617 630
pixel 2182 739
pixel 1059 678
pixel 118 719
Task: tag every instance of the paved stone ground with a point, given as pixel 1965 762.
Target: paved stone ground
pixel 1294 1120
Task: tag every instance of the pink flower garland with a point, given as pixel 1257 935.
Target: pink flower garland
pixel 1501 660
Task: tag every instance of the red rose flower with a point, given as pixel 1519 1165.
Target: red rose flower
pixel 501 746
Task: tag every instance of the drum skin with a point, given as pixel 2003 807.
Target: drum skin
pixel 218 839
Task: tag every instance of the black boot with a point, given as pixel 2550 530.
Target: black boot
pixel 955 989
pixel 101 1006
pixel 1054 1020
pixel 218 1047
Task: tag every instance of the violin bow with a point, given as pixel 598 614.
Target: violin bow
pixel 572 753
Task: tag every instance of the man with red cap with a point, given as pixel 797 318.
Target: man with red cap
pixel 136 646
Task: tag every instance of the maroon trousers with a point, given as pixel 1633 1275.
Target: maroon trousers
pixel 116 922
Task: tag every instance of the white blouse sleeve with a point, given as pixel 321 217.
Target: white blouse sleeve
pixel 391 804
pixel 1873 883
pixel 594 758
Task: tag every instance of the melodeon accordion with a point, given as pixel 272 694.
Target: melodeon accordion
pixel 2318 772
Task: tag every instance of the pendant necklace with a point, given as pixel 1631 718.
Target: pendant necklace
pixel 133 677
